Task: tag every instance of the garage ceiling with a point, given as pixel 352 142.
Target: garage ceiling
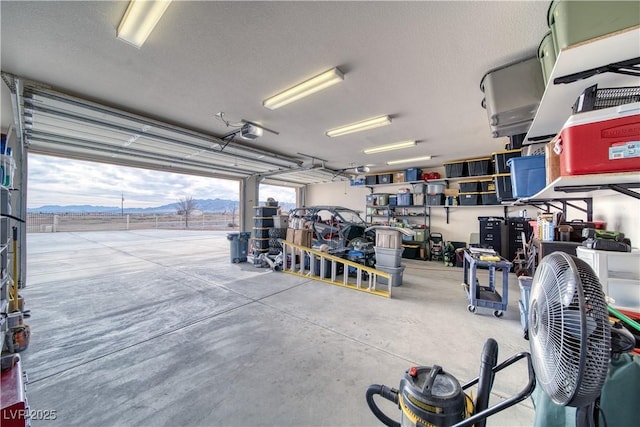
pixel 419 62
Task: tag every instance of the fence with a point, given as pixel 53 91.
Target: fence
pixel 49 223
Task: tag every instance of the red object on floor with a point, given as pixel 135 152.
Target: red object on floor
pixel 12 398
pixel 601 141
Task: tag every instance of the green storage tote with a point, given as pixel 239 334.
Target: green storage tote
pixel 573 22
pixel 547 56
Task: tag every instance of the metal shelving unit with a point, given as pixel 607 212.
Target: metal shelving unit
pixel 415 215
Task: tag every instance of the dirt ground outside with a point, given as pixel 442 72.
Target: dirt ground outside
pixel 49 223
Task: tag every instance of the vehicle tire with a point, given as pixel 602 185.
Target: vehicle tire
pixel 275 243
pixel 278 233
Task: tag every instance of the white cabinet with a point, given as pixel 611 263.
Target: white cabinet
pixel 619 274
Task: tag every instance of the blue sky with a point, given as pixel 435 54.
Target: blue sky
pixel 59 181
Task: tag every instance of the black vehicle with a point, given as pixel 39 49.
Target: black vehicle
pixel 336 226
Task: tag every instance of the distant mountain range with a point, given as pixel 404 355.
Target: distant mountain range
pixel 205 205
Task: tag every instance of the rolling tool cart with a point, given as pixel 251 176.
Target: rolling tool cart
pixel 485 296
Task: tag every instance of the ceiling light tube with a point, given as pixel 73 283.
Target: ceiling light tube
pixel 140 19
pixel 306 88
pixel 360 126
pixel 413 159
pixel 389 147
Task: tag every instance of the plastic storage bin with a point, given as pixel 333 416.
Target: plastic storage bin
pixel 261 243
pixel 404 199
pixel 469 186
pixel 487 185
pixel 385 178
pixel 503 187
pixel 547 56
pixel 261 232
pixel 512 95
pixel 480 166
pixel 527 175
pixel 239 246
pixel 260 222
pixel 435 199
pixel 396 273
pixel 388 238
pixel 455 169
pixel 500 159
pixel 388 257
pixel 489 198
pixel 262 211
pixel 468 199
pixel 435 188
pixel 411 251
pixel 371 179
pixel 573 22
pixel 412 174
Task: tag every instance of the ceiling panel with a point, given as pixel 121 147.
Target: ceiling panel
pixel 419 61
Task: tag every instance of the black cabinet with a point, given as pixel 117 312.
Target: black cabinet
pixel 491 232
pixel 513 237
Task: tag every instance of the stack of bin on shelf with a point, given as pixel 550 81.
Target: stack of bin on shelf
pixel 14 334
pixel 389 250
pixel 263 219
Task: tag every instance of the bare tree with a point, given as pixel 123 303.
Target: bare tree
pixel 232 209
pixel 186 205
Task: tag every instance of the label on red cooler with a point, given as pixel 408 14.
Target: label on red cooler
pixel 624 150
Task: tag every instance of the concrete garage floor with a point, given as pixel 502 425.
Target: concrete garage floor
pixel 158 328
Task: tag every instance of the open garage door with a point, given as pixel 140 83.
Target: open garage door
pixel 55 123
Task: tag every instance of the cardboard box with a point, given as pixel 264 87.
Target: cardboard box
pixel 552 161
pixel 290 235
pixel 302 237
pixel 398 177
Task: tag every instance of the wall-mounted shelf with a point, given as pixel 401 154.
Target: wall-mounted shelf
pixel 582 186
pixel 556 103
pixel 505 208
pixel 394 184
pixel 466 178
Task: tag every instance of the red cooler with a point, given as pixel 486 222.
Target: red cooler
pixel 601 141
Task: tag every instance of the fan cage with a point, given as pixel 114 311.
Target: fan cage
pixel 568 330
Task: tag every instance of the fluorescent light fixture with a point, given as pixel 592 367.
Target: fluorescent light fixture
pixel 413 159
pixel 389 147
pixel 306 88
pixel 140 19
pixel 360 126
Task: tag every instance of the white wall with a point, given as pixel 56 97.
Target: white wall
pixel 338 194
pixel 622 213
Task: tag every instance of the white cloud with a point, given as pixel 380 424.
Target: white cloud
pixel 59 181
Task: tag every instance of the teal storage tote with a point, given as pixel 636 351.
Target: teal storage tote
pixel 528 175
pixel 573 22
